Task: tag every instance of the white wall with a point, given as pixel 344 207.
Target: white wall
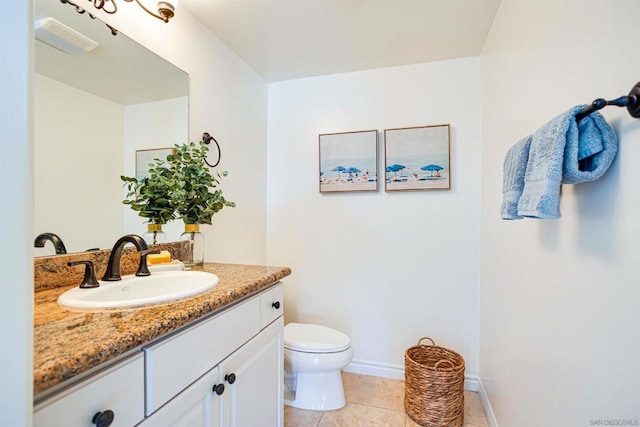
pixel 145 128
pixel 560 326
pixel 16 213
pixel 228 100
pixel 77 166
pixel 385 268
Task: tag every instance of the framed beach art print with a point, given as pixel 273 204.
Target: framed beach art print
pixel 349 161
pixel 417 158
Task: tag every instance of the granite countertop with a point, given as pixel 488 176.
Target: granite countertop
pixel 68 343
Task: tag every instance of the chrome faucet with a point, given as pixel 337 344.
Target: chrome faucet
pixel 113 267
pixel 53 238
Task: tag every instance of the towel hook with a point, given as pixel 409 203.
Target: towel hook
pixel 631 101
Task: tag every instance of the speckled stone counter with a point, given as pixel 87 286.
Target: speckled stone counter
pixel 69 343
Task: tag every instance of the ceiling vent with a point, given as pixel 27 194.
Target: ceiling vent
pixel 63 38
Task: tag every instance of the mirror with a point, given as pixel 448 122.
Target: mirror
pixel 92 111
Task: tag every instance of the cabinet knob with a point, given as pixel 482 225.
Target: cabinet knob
pixel 103 419
pixel 276 305
pixel 218 389
pixel 230 378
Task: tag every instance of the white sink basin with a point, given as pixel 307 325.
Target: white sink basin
pixel 131 291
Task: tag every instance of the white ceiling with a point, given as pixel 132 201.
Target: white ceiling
pixel 288 39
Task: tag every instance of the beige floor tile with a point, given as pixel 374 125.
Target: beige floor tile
pixel 375 402
pixel 410 423
pixel 294 417
pixel 473 412
pixel 355 415
pixel 374 391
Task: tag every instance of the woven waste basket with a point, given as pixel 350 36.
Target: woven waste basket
pixel 434 385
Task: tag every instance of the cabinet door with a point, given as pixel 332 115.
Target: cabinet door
pixel 117 392
pixel 197 406
pixel 254 396
pixel 173 364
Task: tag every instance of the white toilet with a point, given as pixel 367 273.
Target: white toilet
pixel 313 358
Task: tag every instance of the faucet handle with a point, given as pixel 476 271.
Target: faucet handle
pixel 89 280
pixel 143 269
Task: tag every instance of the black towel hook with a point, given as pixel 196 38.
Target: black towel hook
pixel 631 101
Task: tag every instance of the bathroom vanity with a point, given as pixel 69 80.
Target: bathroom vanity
pixel 214 359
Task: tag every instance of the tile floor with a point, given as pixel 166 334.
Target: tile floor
pixel 375 402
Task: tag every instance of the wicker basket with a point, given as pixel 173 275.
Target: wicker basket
pixel 434 385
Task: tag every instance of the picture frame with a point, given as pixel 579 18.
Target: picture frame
pixel 146 157
pixel 348 161
pixel 417 158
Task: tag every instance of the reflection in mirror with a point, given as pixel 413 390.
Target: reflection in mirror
pixel 92 112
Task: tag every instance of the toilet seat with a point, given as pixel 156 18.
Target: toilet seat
pixel 314 338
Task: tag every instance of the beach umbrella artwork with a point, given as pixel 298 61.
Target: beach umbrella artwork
pixel 339 169
pixel 352 170
pixel 432 168
pixel 388 170
pixel 395 168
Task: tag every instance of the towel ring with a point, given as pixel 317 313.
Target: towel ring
pixel 206 138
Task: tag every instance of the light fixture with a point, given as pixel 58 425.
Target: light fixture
pixel 165 8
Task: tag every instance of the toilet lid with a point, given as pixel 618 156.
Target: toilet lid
pixel 314 338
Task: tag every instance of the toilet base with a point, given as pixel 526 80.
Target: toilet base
pixel 317 392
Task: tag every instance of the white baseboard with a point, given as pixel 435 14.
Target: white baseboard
pixel 376 369
pixel 396 372
pixel 486 405
pixel 471 383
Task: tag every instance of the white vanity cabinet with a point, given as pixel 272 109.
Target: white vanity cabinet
pixel 244 390
pixel 253 381
pixel 225 371
pixel 117 392
pixel 197 406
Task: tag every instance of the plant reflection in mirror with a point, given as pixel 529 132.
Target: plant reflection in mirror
pixel 150 197
pixel 180 186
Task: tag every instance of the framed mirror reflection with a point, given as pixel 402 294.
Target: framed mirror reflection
pixel 92 112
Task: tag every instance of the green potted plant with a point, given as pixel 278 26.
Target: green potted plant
pixel 194 195
pixel 150 197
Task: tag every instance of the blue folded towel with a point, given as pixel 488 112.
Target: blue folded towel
pixel 590 158
pixel 561 151
pixel 515 164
